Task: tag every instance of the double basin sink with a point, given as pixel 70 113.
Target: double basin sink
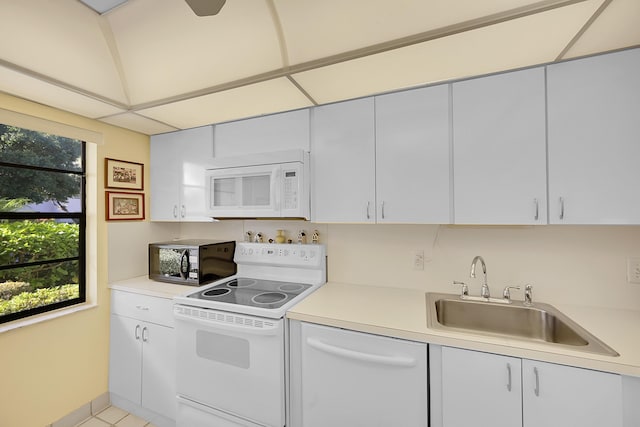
pixel 541 323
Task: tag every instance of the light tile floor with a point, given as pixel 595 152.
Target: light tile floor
pixel 114 416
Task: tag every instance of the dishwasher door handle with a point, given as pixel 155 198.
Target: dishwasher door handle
pixel 398 361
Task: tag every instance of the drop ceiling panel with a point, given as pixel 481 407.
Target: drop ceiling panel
pixel 138 123
pixel 26 87
pixel 167 50
pixel 61 40
pixel 522 42
pixel 315 29
pixel 247 101
pixel 618 26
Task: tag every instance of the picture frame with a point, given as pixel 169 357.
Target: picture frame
pixel 123 174
pixel 124 206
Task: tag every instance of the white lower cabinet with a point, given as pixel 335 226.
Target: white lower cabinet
pixel 470 388
pixel 343 378
pixel 142 356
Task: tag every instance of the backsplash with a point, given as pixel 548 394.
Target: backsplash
pixel 583 265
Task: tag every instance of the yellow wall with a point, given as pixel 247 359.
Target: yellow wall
pixel 51 368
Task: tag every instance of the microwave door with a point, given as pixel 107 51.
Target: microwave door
pixel 243 192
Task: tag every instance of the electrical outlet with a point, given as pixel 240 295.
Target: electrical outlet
pixel 633 270
pixel 418 259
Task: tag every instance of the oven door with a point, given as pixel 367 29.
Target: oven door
pixel 232 363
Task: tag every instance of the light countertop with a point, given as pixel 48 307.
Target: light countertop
pixel 144 285
pixel 402 313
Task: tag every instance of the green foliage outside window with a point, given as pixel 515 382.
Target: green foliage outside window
pixel 28 241
pixel 41 251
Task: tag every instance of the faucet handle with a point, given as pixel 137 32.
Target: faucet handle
pixel 464 291
pixel 506 294
pixel 528 295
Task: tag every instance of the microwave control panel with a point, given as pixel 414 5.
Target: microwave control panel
pixel 290 188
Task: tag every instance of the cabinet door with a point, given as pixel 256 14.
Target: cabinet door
pixel 343 162
pixel 125 358
pixel 178 164
pixel 195 151
pixel 165 178
pixel 275 132
pixel 159 369
pixel 499 149
pixel 412 156
pixel 594 126
pixel 480 389
pixel 560 396
pixel 355 379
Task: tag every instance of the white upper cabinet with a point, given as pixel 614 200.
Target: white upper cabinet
pixel 382 159
pixel 412 156
pixel 594 139
pixel 343 162
pixel 499 149
pixel 178 163
pixel 275 132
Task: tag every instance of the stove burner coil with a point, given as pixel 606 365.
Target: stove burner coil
pixel 215 292
pixel 269 298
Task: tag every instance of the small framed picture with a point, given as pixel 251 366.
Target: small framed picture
pixel 124 206
pixel 125 175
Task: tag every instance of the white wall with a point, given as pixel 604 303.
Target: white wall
pixel 583 265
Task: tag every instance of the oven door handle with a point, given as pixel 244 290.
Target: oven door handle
pixel 266 329
pixel 398 361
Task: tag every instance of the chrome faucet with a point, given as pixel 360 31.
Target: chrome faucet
pixel 484 292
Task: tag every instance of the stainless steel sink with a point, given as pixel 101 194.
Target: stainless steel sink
pixel 540 322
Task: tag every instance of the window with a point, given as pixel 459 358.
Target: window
pixel 42 222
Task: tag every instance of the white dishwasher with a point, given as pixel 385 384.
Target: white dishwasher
pixel 342 378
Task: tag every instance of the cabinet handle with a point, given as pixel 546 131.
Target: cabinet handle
pixel 137 332
pixel 183 211
pixel 509 377
pixel 175 211
pixel 537 207
pixel 536 390
pixel 383 210
pixel 561 207
pixel 142 307
pixel 145 334
pixel 368 206
pixel 397 361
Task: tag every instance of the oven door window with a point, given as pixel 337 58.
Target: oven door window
pixel 222 348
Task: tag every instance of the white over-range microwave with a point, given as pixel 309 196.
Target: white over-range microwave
pixel 266 185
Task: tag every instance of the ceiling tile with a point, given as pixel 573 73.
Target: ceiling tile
pixel 167 50
pixel 617 27
pixel 137 123
pixel 317 29
pixel 517 43
pixel 247 101
pixel 26 87
pixel 61 40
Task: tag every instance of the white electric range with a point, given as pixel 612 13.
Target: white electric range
pixel 231 336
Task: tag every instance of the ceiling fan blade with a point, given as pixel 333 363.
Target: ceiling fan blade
pixel 206 7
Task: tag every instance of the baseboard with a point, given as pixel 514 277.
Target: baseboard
pixel 85 411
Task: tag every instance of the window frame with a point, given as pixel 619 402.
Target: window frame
pixel 81 217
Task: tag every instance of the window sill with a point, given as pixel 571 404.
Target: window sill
pixel 17 324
